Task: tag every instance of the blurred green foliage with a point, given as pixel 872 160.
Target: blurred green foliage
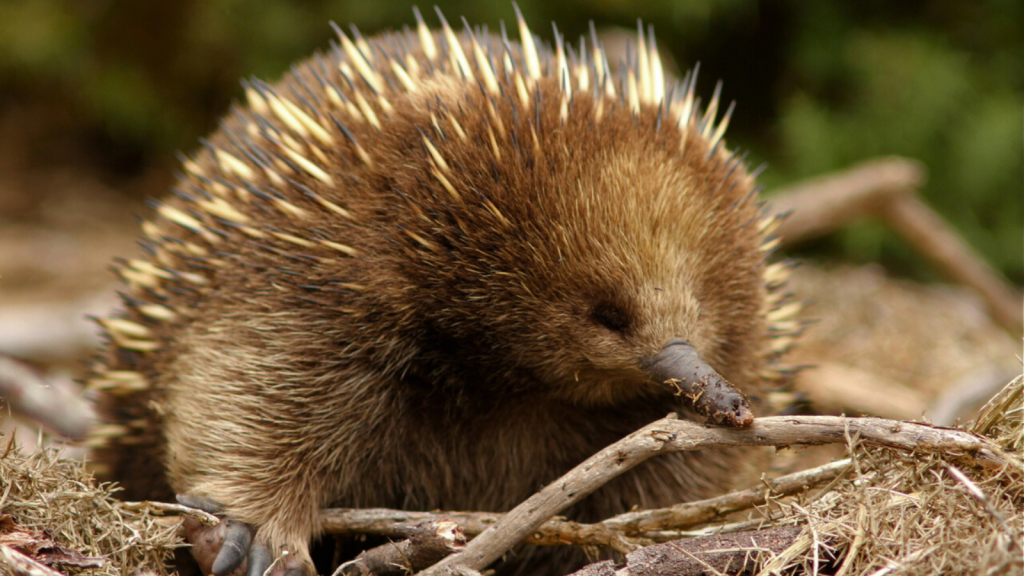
pixel 820 84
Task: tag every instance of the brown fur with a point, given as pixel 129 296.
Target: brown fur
pixel 457 357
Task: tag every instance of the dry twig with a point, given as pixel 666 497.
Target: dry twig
pixel 885 189
pixel 180 509
pixel 690 514
pixel 427 543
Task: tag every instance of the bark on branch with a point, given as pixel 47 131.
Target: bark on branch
pixel 426 543
pixel 735 554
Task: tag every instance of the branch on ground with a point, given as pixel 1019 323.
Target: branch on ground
pixel 623 533
pixel 425 543
pixel 886 189
pixel 673 435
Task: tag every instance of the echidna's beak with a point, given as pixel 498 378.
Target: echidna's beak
pixel 710 395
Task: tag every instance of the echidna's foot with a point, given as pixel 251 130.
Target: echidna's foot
pixel 228 549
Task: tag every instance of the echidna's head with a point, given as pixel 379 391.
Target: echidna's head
pixel 566 256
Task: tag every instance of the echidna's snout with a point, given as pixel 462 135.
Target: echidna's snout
pixel 710 395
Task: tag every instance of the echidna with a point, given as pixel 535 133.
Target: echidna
pixel 432 270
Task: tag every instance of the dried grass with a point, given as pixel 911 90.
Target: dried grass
pixel 45 493
pixel 912 514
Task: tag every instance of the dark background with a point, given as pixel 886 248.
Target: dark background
pixel 97 96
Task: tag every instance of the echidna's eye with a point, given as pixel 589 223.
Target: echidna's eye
pixel 611 316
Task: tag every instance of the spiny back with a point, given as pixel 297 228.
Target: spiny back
pixel 424 197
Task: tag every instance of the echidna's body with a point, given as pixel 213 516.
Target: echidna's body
pixel 419 273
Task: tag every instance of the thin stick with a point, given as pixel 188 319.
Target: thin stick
pixel 180 509
pixel 392 523
pixel 672 435
pixel 690 514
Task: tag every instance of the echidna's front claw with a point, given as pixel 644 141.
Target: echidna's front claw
pixel 222 549
pixel 234 549
pixel 228 549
